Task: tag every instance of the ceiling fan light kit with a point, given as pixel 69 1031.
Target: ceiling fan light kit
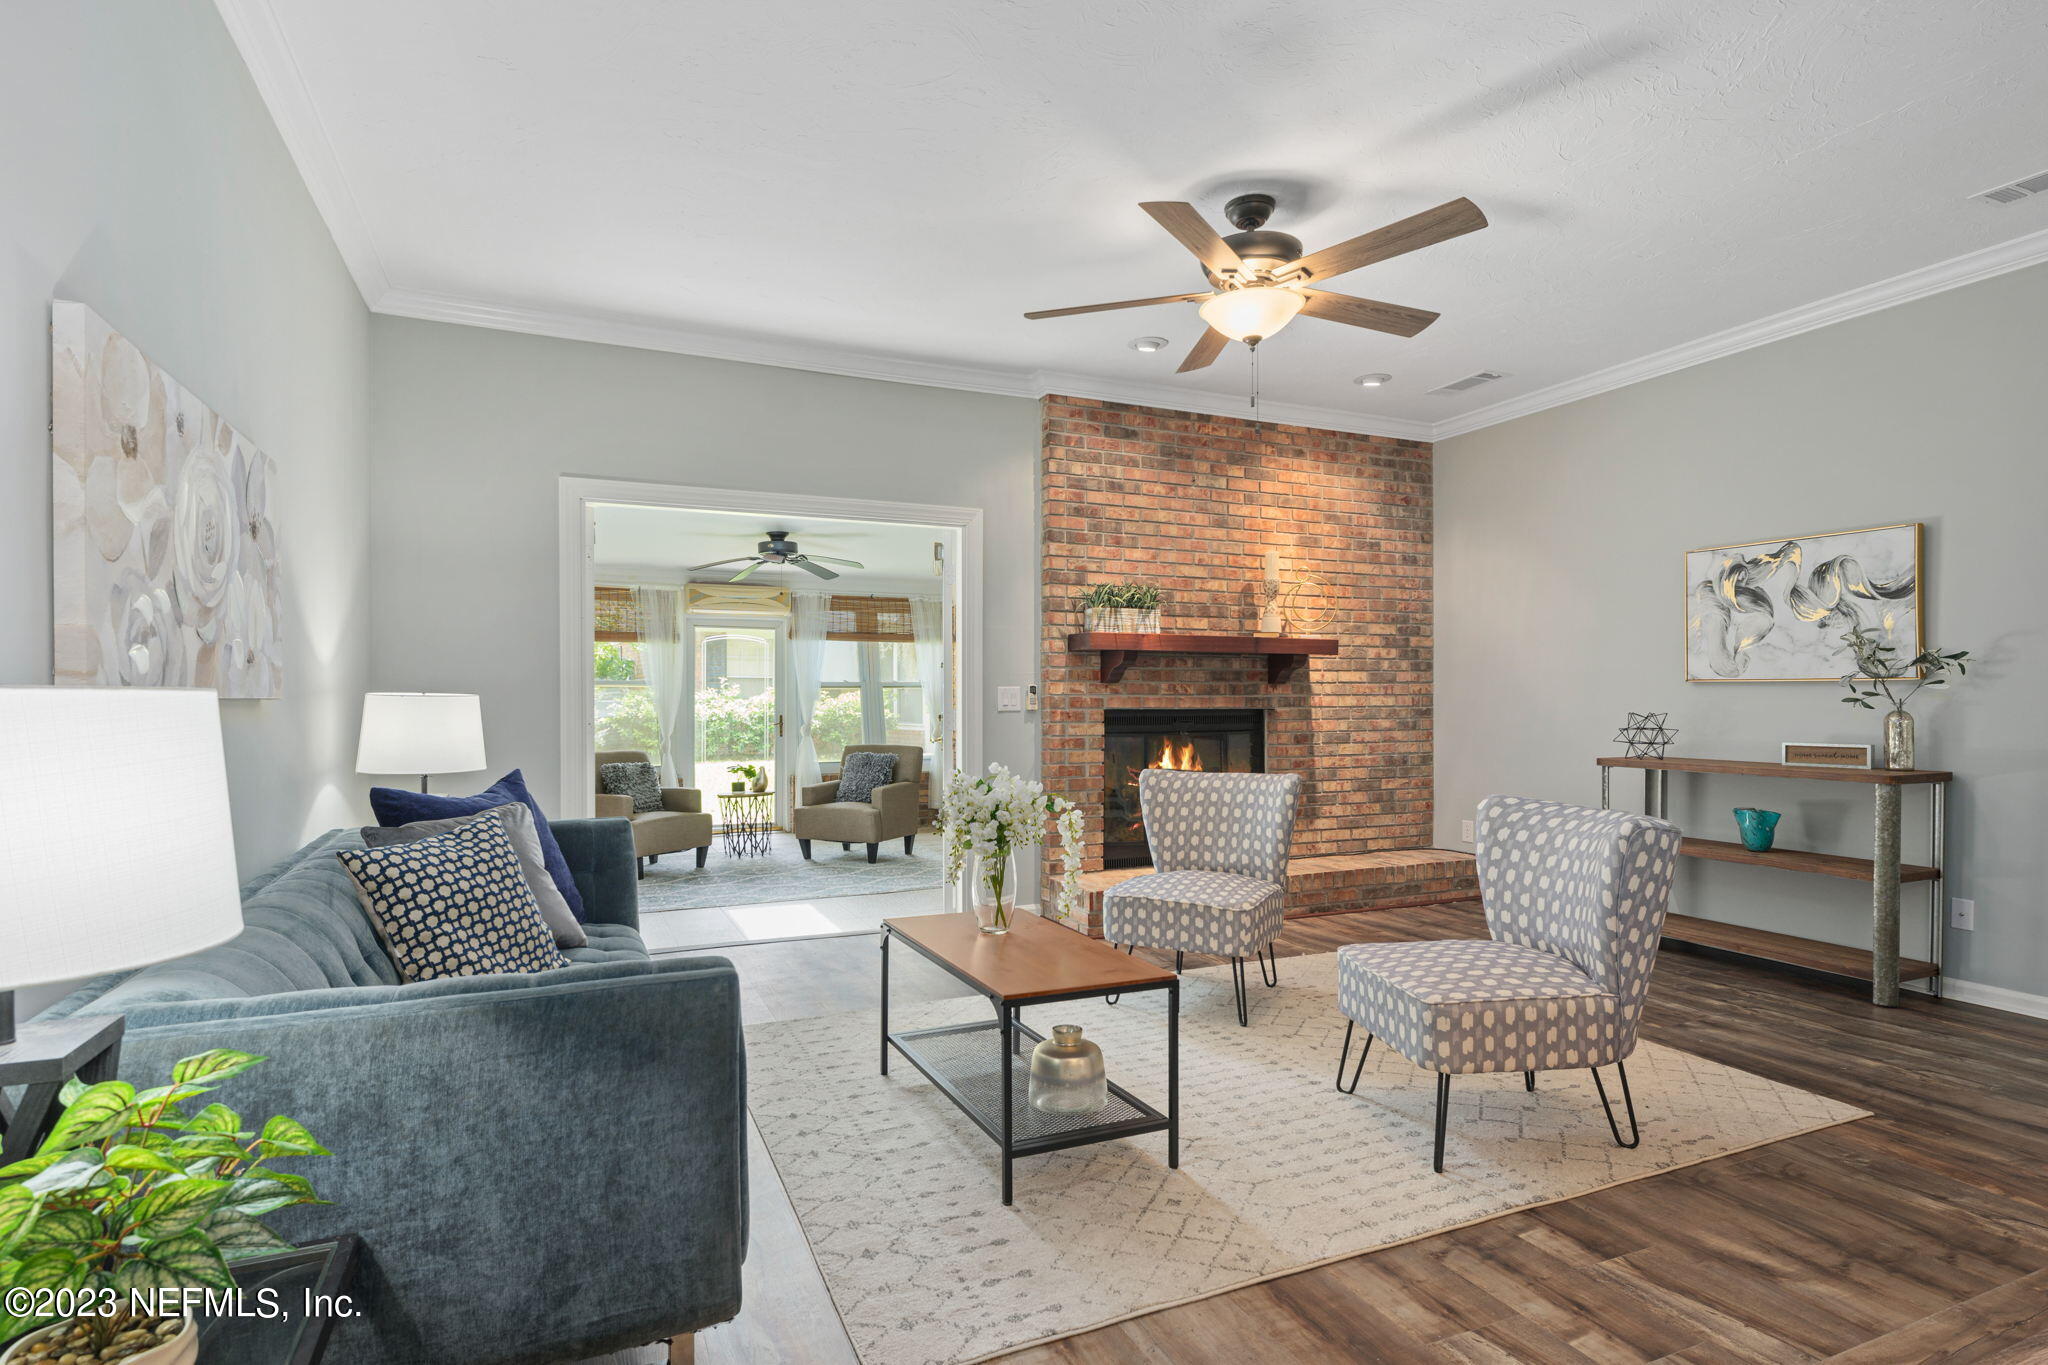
pixel 1259 277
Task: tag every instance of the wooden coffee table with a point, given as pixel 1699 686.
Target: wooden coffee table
pixel 977 1065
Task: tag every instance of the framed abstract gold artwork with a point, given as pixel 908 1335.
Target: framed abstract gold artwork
pixel 1776 610
pixel 164 558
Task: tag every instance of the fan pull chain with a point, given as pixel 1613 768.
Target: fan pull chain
pixel 1255 383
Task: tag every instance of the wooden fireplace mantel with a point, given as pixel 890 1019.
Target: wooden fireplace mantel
pixel 1285 655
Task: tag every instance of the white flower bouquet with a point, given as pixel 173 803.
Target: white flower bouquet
pixel 988 819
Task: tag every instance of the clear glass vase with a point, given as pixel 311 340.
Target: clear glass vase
pixel 1898 739
pixel 995 891
pixel 1067 1075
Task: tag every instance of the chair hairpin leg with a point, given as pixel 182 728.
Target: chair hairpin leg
pixel 1130 950
pixel 1443 1111
pixel 1530 1077
pixel 1635 1132
pixel 1177 955
pixel 1269 958
pixel 1244 1017
pixel 1359 1070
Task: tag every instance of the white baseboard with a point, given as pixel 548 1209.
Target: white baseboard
pixel 1995 997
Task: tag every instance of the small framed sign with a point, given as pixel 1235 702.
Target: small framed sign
pixel 1826 755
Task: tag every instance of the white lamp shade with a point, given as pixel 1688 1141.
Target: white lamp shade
pixel 421 732
pixel 1258 311
pixel 119 851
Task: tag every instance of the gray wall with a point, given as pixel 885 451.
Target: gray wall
pixel 145 179
pixel 1559 538
pixel 471 430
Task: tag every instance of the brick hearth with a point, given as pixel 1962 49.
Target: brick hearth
pixel 1192 504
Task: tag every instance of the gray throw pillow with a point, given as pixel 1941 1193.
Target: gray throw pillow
pixel 861 773
pixel 637 780
pixel 518 823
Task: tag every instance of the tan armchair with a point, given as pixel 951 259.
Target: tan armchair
pixel 892 814
pixel 680 824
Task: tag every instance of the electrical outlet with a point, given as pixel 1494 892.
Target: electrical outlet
pixel 1962 914
pixel 1009 699
pixel 1465 832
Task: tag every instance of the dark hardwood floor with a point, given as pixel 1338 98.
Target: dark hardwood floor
pixel 1920 1234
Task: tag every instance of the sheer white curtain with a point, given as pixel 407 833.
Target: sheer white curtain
pixel 807 613
pixel 663 661
pixel 928 625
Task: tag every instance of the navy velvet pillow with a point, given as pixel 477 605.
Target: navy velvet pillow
pixel 394 806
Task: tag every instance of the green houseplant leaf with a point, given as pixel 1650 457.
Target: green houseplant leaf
pixel 176 1263
pixel 99 1110
pixel 209 1067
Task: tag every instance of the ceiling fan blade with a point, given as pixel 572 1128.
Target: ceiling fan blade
pixel 834 559
pixel 744 572
pixel 1427 228
pixel 736 559
pixel 1127 303
pixel 1192 232
pixel 1381 317
pixel 1206 350
pixel 804 562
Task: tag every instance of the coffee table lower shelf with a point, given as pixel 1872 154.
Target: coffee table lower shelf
pixel 965 1061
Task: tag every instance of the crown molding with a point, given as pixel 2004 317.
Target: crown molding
pixel 1983 264
pixel 254 28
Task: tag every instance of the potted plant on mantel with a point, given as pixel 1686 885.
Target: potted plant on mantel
pixel 129 1202
pixel 1877 668
pixel 1121 608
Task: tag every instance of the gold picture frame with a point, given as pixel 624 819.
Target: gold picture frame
pixel 1775 616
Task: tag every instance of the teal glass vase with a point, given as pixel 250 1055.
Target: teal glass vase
pixel 1758 827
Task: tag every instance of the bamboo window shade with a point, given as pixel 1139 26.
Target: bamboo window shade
pixel 870 618
pixel 618 616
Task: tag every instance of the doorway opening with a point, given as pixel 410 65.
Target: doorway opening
pixel 748 656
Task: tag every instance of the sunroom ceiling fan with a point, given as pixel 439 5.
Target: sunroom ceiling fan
pixel 1260 277
pixel 781 552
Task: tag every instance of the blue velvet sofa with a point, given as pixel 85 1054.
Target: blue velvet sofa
pixel 542 1167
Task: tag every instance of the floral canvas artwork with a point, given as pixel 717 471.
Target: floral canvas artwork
pixel 164 553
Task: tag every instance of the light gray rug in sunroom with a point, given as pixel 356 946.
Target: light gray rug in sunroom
pixel 676 883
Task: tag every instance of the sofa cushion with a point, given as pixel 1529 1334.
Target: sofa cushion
pixel 637 781
pixel 610 944
pixel 518 822
pixel 849 822
pixel 454 904
pixel 395 807
pixel 860 773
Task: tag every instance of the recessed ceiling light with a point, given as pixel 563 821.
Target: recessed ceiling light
pixel 1371 381
pixel 1148 344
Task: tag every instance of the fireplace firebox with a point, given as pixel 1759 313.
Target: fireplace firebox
pixel 1232 741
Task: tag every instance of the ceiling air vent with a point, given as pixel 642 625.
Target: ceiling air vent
pixel 2016 191
pixel 1470 381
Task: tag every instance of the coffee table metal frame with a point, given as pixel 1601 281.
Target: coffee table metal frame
pixel 937 1052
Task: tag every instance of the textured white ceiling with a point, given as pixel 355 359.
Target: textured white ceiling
pixel 893 184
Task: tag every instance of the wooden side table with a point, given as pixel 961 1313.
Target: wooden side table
pixel 40 1059
pixel 1882 966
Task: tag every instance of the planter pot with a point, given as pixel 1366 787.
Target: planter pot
pixel 183 1349
pixel 1123 620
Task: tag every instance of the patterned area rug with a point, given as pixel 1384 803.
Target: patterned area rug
pixel 676 883
pixel 898 1191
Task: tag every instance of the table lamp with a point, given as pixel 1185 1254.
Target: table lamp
pixel 118 847
pixel 421 732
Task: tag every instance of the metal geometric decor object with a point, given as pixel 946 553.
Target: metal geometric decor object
pixel 1646 734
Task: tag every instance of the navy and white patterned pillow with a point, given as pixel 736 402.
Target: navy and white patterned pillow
pixel 861 773
pixel 455 904
pixel 637 780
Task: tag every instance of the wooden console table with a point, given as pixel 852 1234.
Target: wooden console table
pixel 1882 967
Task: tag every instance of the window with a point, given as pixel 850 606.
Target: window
pixel 869 694
pixel 625 706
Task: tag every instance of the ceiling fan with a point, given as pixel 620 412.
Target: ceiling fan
pixel 1260 276
pixel 781 552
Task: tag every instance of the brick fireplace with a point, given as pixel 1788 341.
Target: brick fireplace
pixel 1192 504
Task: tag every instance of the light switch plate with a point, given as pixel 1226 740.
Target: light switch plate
pixel 1962 914
pixel 1465 831
pixel 1009 699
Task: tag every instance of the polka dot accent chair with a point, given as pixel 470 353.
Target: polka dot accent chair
pixel 1575 901
pixel 1219 882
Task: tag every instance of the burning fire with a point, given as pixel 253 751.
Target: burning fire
pixel 1181 756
